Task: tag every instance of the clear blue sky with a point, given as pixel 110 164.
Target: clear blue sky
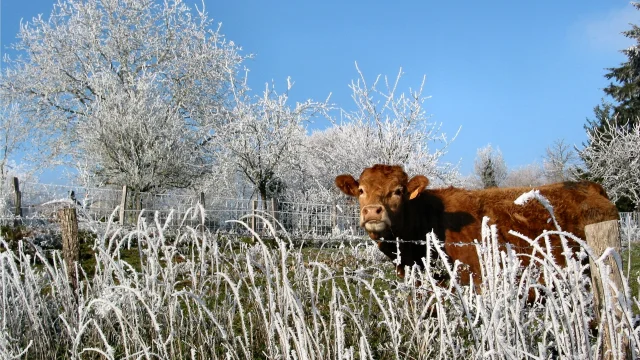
pixel 515 74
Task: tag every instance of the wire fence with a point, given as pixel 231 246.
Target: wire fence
pixel 37 205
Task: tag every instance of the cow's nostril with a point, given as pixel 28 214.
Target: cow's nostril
pixel 372 210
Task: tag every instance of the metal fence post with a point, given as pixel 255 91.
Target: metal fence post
pixel 18 206
pixel 273 209
pixel 334 215
pixel 123 204
pixel 254 206
pixel 202 203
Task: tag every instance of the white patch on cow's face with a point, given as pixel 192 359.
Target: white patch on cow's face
pixel 381 198
pixel 378 206
pixel 376 226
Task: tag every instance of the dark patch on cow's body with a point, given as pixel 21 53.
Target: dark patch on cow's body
pixel 455 221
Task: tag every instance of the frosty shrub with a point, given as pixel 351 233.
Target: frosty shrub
pixel 386 124
pixel 490 167
pixel 203 295
pixel 613 157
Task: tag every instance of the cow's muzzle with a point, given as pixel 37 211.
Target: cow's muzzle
pixel 375 226
pixel 374 219
pixel 372 213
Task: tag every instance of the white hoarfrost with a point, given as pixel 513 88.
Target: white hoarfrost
pixel 387 126
pixel 135 89
pixel 150 95
pixel 264 138
pixel 613 158
pixel 196 294
pixel 560 162
pixel 490 168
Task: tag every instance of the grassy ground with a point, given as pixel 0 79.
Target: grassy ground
pixel 631 263
pixel 216 296
pixel 331 256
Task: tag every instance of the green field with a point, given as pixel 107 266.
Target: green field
pixel 631 263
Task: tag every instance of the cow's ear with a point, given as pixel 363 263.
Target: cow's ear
pixel 416 185
pixel 348 185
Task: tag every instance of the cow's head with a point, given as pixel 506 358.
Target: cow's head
pixel 382 191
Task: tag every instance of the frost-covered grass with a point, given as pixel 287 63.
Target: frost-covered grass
pixel 631 263
pixel 209 296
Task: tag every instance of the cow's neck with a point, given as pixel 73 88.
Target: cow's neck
pixel 422 215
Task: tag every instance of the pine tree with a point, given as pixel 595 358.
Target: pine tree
pixel 625 90
pixel 624 111
pixel 490 167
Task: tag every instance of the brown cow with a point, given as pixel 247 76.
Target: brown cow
pixel 394 207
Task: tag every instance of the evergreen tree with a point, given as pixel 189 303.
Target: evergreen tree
pixel 624 111
pixel 490 167
pixel 625 90
pixel 604 115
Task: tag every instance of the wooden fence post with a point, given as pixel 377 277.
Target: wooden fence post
pixel 123 204
pixel 70 244
pixel 18 203
pixel 599 237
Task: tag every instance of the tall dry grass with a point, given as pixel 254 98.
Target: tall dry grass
pixel 198 295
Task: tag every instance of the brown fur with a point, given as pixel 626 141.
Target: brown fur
pixel 394 208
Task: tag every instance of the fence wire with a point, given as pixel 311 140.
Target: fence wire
pixel 302 220
pixel 40 202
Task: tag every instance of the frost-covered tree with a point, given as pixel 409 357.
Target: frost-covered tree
pixel 14 134
pixel 388 127
pixel 125 84
pixel 489 167
pixel 263 141
pixel 527 176
pixel 624 110
pixel 599 128
pixel 137 139
pixel 613 157
pixel 560 162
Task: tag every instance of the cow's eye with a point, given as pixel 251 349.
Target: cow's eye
pixel 398 192
pixel 361 191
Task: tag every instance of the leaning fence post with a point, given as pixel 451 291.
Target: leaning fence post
pixel 70 244
pixel 599 237
pixel 123 204
pixel 18 206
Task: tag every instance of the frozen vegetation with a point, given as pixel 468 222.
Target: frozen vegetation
pixel 204 295
pixel 153 96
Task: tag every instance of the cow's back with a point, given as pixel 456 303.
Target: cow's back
pixel 575 205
